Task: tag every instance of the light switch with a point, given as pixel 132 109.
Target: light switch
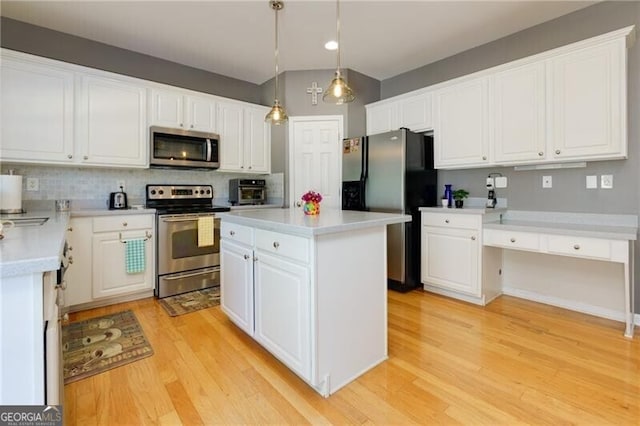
pixel 547 182
pixel 592 182
pixel 606 181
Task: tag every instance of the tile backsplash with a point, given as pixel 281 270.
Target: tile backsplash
pixel 79 183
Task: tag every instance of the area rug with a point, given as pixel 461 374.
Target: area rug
pixel 99 344
pixel 192 301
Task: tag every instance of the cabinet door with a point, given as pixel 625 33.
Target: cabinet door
pixel 167 108
pixel 451 259
pixel 236 284
pixel 589 103
pixel 201 113
pixel 112 122
pixel 78 276
pixel 230 128
pixel 415 113
pixel 382 118
pixel 110 277
pixel 37 112
pixel 461 125
pixel 282 311
pixel 257 141
pixel 519 114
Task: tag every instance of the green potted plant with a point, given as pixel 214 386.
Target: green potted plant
pixel 459 195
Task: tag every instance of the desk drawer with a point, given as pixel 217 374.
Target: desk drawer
pixel 511 239
pixel 452 220
pixel 291 246
pixel 234 232
pixel 579 246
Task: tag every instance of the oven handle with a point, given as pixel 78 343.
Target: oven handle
pixel 188 219
pixel 193 274
pixel 208 150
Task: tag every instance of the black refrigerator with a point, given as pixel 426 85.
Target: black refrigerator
pixel 392 173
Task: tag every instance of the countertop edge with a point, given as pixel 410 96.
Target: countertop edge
pixel 611 233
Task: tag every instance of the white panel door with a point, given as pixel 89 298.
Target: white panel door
pixel 316 158
pixel 112 122
pixel 230 129
pixel 588 112
pixel 37 112
pixel 236 284
pixel 519 114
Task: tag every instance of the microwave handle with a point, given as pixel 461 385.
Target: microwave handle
pixel 208 150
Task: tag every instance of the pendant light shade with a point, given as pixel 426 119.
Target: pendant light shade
pixel 338 91
pixel 277 115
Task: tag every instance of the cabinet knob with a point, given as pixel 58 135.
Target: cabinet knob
pixel 576 247
pixel 232 233
pixel 242 167
pixel 540 154
pixel 249 167
pixel 86 157
pixel 70 229
pixel 557 151
pixel 69 156
pixel 484 157
pixel 181 125
pixel 446 221
pixel 276 245
pixel 513 240
pixel 124 223
pixel 247 257
pixel 473 238
pixel 191 126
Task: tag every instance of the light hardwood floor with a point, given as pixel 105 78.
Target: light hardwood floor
pixel 511 362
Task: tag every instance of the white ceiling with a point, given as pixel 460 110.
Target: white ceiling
pixel 236 38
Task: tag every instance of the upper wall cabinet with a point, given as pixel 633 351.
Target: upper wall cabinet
pixel 102 102
pixel 412 112
pixel 182 110
pixel 37 112
pixel 245 138
pixel 461 127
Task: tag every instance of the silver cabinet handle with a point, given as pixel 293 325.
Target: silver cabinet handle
pixel 473 238
pixel 276 245
pixel 557 151
pixel 193 274
pixel 513 240
pixel 576 247
pixel 249 167
pixel 255 259
pixel 247 257
pixel 232 233
pixel 86 157
pixel 540 154
pixel 70 229
pixel 446 221
pixel 484 157
pixel 69 156
pixel 181 125
pixel 124 224
pixel 191 126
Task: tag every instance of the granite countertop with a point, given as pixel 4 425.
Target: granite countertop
pixel 294 221
pixel 33 249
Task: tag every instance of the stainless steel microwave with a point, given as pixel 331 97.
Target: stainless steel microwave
pixel 183 148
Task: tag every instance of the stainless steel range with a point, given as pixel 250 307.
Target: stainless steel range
pixel 188 243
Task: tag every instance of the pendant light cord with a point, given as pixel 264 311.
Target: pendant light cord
pixel 338 30
pixel 275 96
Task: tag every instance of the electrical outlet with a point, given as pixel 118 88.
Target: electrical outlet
pixel 33 184
pixel 592 182
pixel 501 182
pixel 121 186
pixel 547 182
pixel 606 181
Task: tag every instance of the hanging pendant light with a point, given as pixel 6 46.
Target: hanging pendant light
pixel 277 115
pixel 338 91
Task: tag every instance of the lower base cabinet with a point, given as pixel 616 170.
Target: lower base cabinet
pixel 237 299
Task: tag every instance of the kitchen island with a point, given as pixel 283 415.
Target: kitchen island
pixel 312 290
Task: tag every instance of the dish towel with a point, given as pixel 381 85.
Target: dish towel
pixel 135 256
pixel 205 231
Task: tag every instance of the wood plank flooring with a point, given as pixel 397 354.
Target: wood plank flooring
pixel 511 362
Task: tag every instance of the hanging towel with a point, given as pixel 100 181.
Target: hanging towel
pixel 135 256
pixel 205 231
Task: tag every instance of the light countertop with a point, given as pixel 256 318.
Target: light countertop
pixel 463 210
pixel 571 229
pixel 294 221
pixel 107 212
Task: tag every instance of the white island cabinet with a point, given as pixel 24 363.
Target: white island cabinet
pixel 311 289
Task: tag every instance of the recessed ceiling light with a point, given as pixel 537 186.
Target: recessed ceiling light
pixel 331 45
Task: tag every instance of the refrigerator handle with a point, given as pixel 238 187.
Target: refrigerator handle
pixel 365 158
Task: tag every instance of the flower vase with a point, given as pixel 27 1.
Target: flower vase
pixel 311 208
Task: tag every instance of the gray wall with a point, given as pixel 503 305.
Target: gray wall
pixel 525 187
pixel 17 35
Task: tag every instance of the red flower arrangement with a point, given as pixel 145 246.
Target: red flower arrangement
pixel 311 197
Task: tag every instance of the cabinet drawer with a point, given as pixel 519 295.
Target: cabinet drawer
pixel 240 233
pixel 123 222
pixel 452 220
pixel 510 239
pixel 283 244
pixel 579 246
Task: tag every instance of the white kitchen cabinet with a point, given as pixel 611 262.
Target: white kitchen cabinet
pixel 461 125
pixel 415 112
pixel 183 110
pixel 519 108
pixel 237 282
pixel 110 235
pixel 382 117
pixel 283 310
pixel 37 111
pixel 588 103
pixel 111 122
pixel 245 138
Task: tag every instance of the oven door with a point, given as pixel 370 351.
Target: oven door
pixel 178 243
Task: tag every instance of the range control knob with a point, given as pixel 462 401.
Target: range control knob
pixel 153 192
pixel 208 191
pixel 161 192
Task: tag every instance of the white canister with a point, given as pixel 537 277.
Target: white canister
pixel 10 194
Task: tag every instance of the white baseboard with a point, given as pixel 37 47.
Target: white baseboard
pixel 455 295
